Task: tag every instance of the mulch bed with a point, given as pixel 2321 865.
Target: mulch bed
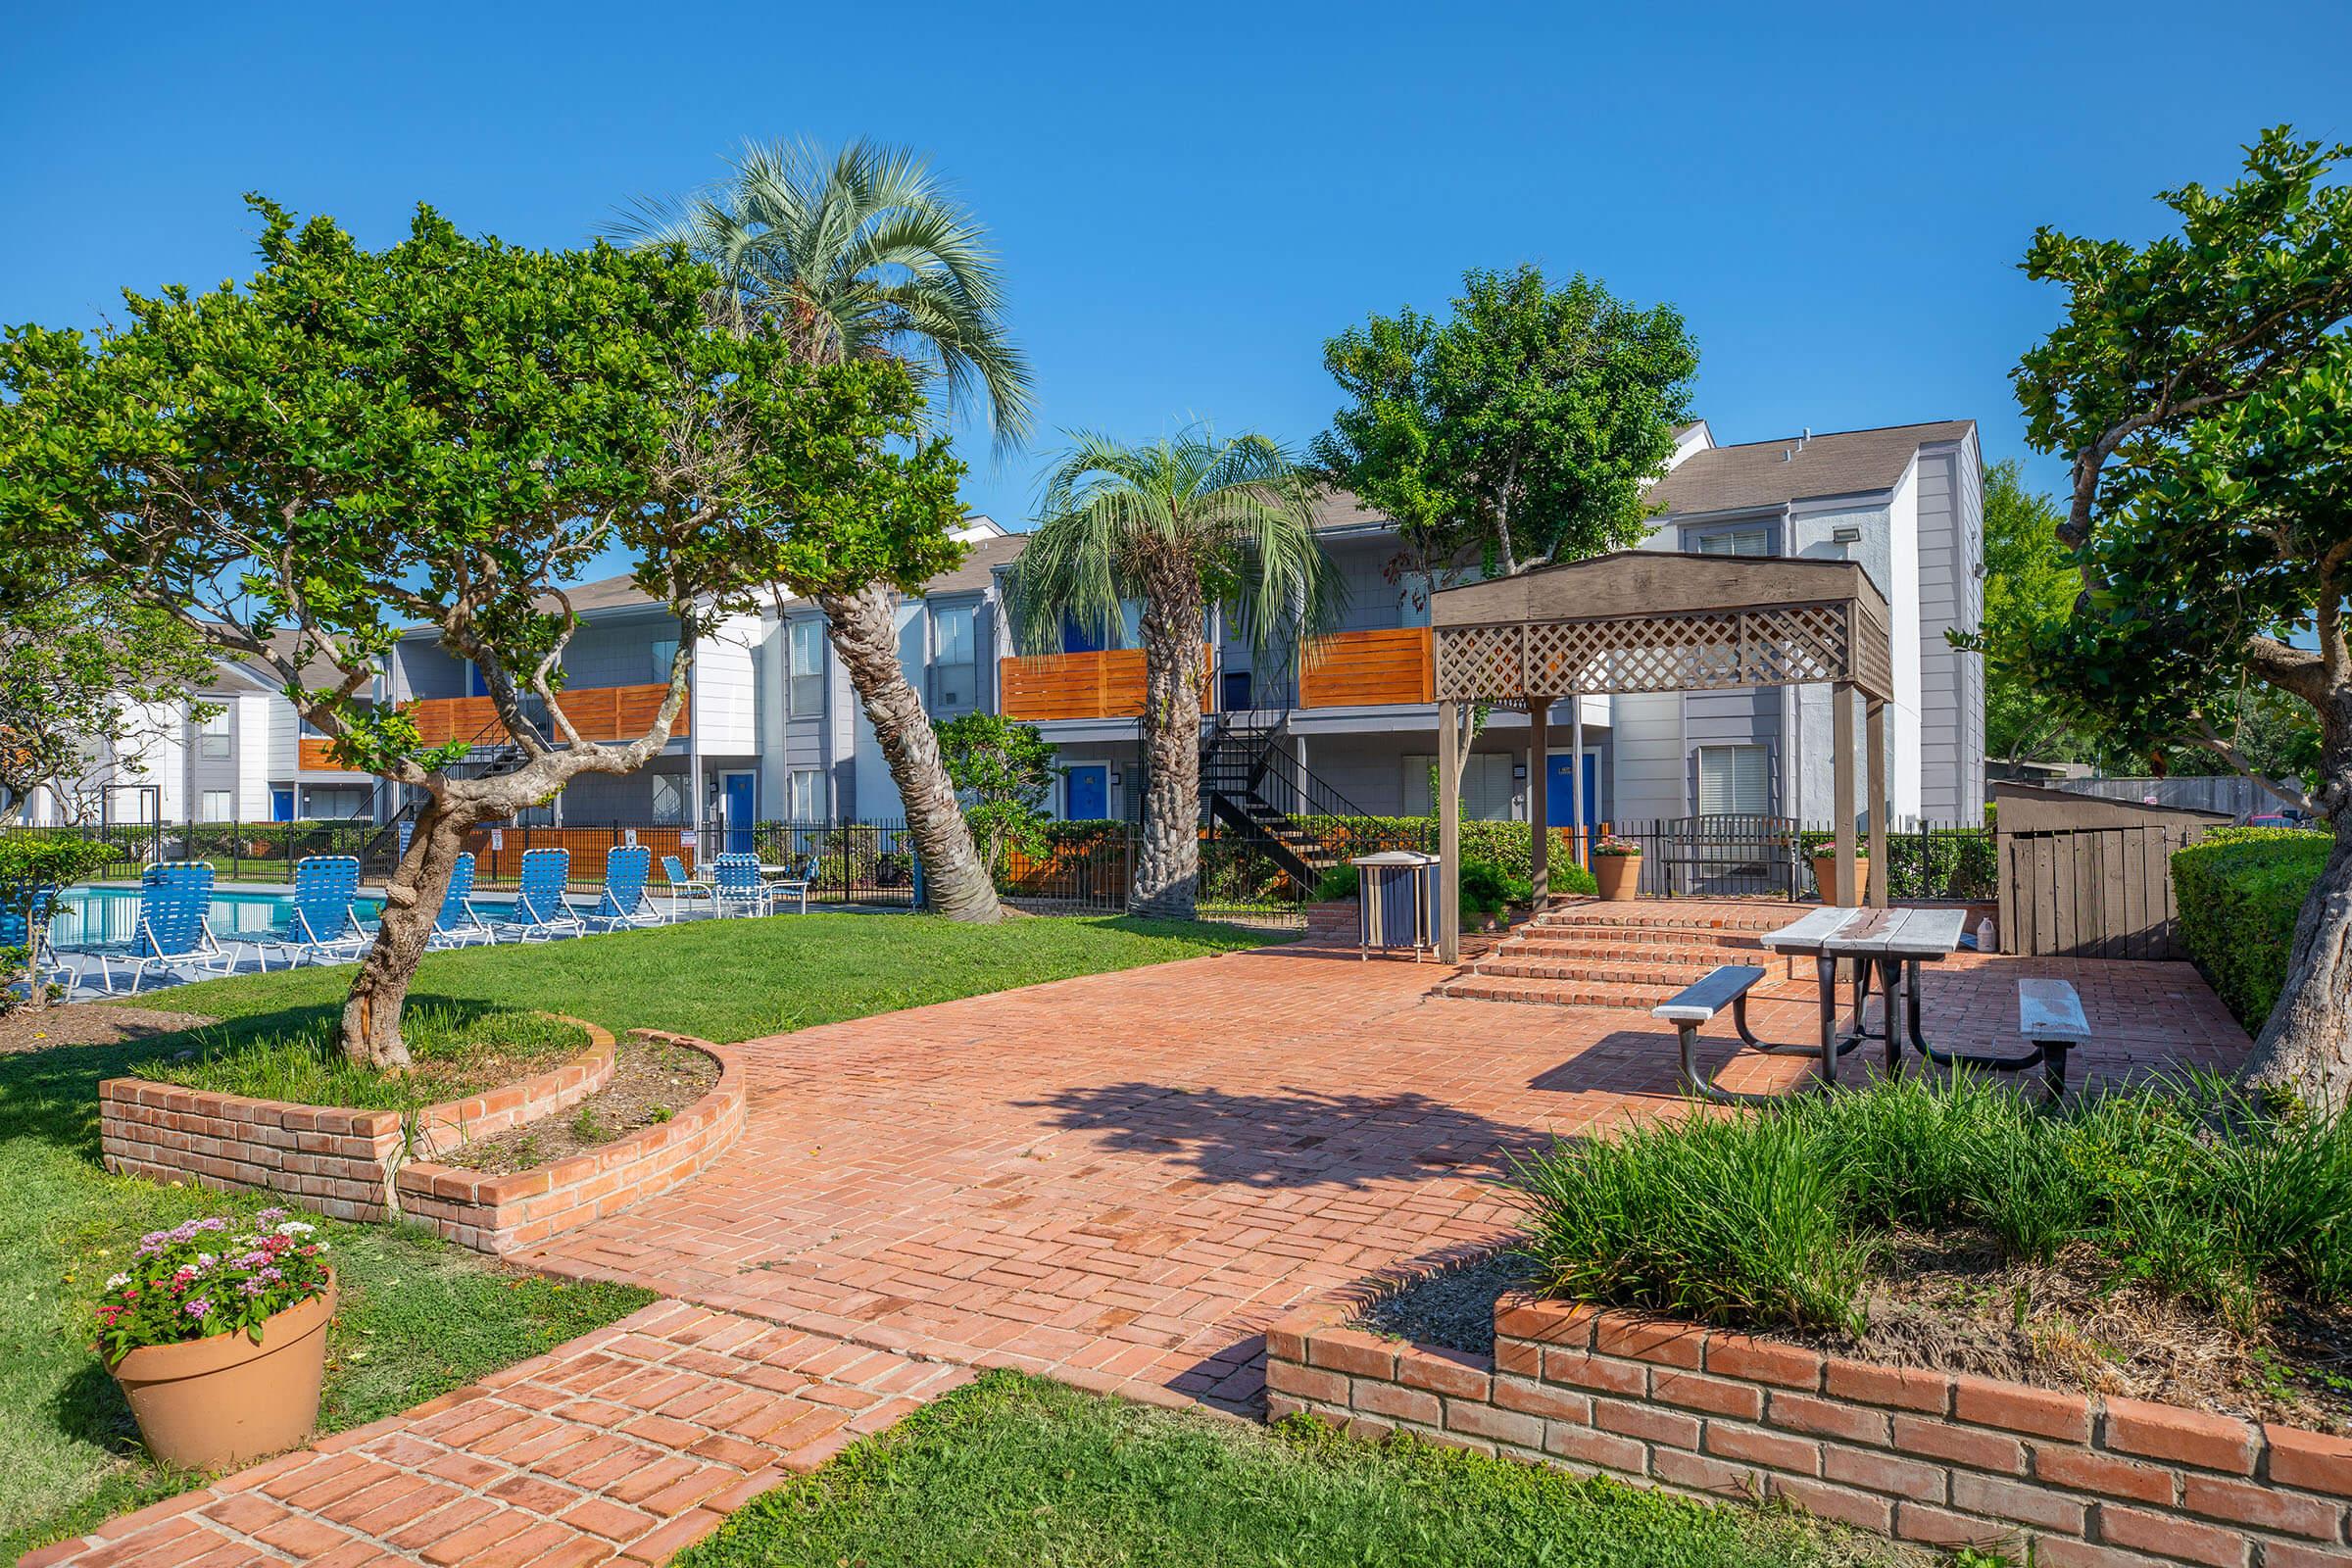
pixel 88 1023
pixel 1954 1303
pixel 651 1083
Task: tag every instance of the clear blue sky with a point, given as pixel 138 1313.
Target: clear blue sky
pixel 1187 201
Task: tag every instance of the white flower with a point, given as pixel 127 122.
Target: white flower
pixel 318 1247
pixel 295 1227
pixel 206 1261
pixel 118 1282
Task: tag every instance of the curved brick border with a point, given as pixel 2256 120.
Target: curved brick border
pixel 1928 1456
pixel 333 1161
pixel 509 1212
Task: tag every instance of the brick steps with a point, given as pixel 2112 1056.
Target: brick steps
pixel 1596 954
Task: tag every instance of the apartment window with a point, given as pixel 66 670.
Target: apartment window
pixel 212 740
pixel 326 804
pixel 219 805
pixel 954 663
pixel 661 651
pixel 1734 781
pixel 804 668
pixel 806 794
pixel 669 797
pixel 1756 541
pixel 1488 792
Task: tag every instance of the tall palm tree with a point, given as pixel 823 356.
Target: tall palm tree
pixel 1180 524
pixel 863 253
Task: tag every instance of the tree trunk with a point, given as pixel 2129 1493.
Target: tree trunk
pixel 1167 871
pixel 2306 1045
pixel 370 1032
pixel 957 884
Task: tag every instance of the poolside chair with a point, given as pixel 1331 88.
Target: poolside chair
pixel 794 883
pixel 458 922
pixel 18 931
pixel 319 923
pixel 624 903
pixel 540 911
pixel 740 887
pixel 685 890
pixel 174 897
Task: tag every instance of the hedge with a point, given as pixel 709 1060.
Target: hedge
pixel 2240 890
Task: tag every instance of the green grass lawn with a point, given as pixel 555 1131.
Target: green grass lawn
pixel 730 980
pixel 421 1316
pixel 1017 1470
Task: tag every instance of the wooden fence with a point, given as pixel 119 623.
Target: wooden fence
pixel 2087 878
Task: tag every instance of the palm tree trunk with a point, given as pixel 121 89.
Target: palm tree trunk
pixel 860 624
pixel 1167 871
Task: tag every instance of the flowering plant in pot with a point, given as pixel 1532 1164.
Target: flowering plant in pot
pixel 1617 867
pixel 218 1335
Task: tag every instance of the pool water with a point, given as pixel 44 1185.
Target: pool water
pixel 89 916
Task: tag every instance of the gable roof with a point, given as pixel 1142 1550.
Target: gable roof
pixel 1772 473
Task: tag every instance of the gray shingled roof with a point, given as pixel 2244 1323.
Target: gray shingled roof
pixel 1765 473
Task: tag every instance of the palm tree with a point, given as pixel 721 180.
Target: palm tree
pixel 1178 524
pixel 856 254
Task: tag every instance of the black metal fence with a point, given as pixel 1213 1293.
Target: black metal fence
pixel 1770 856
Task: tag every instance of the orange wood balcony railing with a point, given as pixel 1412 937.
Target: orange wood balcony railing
pixel 1107 684
pixel 1361 668
pixel 598 712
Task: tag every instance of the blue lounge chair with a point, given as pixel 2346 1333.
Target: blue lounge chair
pixel 540 911
pixel 25 923
pixel 174 897
pixel 624 901
pixel 683 889
pixel 794 883
pixel 458 922
pixel 322 923
pixel 740 887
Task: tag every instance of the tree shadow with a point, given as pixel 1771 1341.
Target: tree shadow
pixel 1293 1138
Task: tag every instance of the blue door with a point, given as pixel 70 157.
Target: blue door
pixel 476 685
pixel 1559 806
pixel 743 809
pixel 282 805
pixel 1088 793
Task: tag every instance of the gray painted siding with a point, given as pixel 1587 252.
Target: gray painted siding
pixel 1748 717
pixel 1951 598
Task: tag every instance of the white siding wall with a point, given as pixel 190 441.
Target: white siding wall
pixel 256 752
pixel 1951 596
pixel 726 687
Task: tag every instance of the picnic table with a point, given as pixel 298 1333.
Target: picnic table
pixel 1889 945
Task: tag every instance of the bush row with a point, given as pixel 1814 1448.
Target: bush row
pixel 1777 1220
pixel 2240 890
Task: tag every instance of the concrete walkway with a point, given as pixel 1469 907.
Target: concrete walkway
pixel 1118 1181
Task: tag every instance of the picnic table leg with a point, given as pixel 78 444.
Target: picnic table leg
pixel 1826 973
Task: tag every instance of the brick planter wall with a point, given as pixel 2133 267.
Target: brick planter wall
pixel 505 1213
pixel 328 1161
pixel 1924 1456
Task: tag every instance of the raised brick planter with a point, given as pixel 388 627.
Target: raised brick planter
pixel 505 1213
pixel 334 1163
pixel 1927 1456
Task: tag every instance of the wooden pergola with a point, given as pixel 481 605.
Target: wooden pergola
pixel 1647 621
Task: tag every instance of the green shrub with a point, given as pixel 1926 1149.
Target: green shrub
pixel 2240 891
pixel 1339 881
pixel 1771 1220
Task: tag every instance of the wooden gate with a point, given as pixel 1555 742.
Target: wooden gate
pixel 2089 878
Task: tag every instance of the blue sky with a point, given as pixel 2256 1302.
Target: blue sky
pixel 1189 201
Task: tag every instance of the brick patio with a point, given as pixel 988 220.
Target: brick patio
pixel 1120 1181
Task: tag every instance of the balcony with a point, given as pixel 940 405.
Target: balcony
pixel 1366 668
pixel 598 712
pixel 1106 684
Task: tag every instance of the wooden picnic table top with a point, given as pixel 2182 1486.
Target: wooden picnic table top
pixel 1862 933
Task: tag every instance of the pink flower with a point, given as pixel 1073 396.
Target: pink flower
pixel 197 1308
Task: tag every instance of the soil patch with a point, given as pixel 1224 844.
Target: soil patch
pixel 88 1023
pixel 1954 1304
pixel 651 1081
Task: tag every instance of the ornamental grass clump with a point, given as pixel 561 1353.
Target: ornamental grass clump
pixel 210 1276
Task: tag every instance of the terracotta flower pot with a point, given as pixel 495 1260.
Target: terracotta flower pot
pixel 1824 877
pixel 205 1404
pixel 1619 876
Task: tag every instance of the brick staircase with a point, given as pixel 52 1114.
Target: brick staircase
pixel 1593 954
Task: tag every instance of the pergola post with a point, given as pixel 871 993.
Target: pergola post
pixel 1538 805
pixel 1841 787
pixel 1875 712
pixel 1576 781
pixel 1450 834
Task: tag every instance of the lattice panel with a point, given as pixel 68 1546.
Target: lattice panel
pixel 1479 661
pixel 1797 645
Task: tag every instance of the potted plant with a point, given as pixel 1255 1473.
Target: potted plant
pixel 218 1336
pixel 1825 873
pixel 1617 868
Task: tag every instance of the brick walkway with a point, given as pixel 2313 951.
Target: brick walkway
pixel 1118 1180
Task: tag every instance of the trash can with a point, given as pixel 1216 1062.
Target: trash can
pixel 1397 902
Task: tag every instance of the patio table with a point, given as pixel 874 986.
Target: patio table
pixel 1890 945
pixel 1813 936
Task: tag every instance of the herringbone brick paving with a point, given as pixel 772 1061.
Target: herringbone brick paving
pixel 1118 1181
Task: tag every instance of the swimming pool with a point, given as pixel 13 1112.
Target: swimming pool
pixel 90 916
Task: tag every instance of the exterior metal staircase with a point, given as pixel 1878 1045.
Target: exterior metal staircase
pixel 1254 781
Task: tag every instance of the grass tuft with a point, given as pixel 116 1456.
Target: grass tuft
pixel 457 1050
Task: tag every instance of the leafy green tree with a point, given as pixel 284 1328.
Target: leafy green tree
pixel 1520 430
pixel 1002 771
pixel 2030 582
pixel 445 433
pixel 87 677
pixel 1178 525
pixel 2201 389
pixel 34 868
pixel 858 255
